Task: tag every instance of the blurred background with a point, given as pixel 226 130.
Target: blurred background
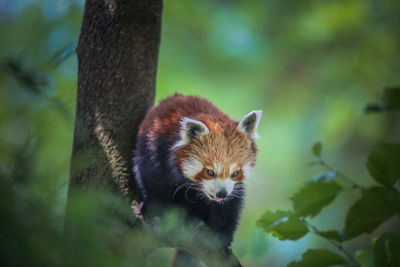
pixel 311 66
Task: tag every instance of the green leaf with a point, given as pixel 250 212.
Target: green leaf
pixel 376 205
pixel 314 196
pixel 384 164
pixel 364 258
pixel 391 98
pixel 282 224
pixel 318 258
pixel 386 250
pixel 333 235
pixel 317 149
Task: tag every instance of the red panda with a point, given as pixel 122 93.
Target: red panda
pixel 191 154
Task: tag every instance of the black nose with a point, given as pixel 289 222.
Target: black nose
pixel 222 193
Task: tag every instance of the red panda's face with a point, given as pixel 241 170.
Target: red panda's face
pixel 215 157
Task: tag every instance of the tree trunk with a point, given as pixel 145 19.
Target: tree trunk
pixel 117 64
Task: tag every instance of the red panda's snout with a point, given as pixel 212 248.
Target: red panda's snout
pixel 218 189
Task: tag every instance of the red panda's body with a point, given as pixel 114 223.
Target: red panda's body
pixel 192 155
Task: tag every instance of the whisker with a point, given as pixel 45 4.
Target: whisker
pixel 186 195
pixel 179 188
pixel 236 194
pixel 231 196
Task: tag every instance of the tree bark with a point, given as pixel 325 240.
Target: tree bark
pixel 117 64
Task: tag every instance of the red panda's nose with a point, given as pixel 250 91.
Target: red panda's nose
pixel 222 193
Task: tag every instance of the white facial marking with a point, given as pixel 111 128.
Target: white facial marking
pixel 209 187
pixel 191 167
pixel 232 168
pixel 247 170
pixel 217 168
pixel 229 185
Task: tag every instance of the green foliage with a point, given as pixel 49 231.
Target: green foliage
pixel 364 258
pixel 33 82
pixel 332 235
pixel 37 84
pixel 386 250
pixel 324 177
pixel 314 196
pixel 31 229
pixel 97 229
pixel 376 205
pixel 390 99
pixel 283 225
pixel 383 164
pixel 309 65
pixel 317 149
pixel 318 258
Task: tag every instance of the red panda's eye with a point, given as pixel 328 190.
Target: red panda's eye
pixel 210 173
pixel 234 174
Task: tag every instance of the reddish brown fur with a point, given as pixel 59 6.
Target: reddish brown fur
pixel 224 144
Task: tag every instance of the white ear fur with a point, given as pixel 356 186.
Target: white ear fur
pixel 190 129
pixel 249 124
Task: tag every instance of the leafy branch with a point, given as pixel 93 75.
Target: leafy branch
pixel 376 205
pixel 334 235
pixel 317 151
pixel 36 83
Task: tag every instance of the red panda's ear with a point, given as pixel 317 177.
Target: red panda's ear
pixel 249 124
pixel 190 129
